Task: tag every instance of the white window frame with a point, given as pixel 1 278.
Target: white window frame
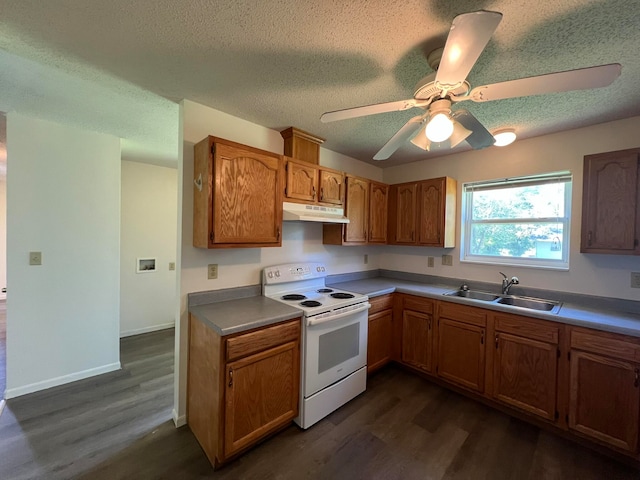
pixel 529 262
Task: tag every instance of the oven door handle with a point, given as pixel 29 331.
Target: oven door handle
pixel 312 321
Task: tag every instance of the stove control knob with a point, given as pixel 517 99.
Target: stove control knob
pixel 270 274
pixel 318 269
pixel 322 268
pixel 277 273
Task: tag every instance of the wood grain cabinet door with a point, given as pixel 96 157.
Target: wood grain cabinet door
pixel 247 197
pixel 379 339
pixel 525 374
pixel 378 196
pixel 357 210
pixel 431 216
pixel 610 210
pixel 461 353
pixel 302 181
pixel 331 187
pixel 417 339
pixel 405 214
pixel 261 395
pixel 604 399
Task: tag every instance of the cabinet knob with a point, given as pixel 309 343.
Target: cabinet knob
pixel 321 194
pixel 314 192
pixel 636 382
pixel 589 239
pixel 482 338
pixel 496 340
pixel 230 378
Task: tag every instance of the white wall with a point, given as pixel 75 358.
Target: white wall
pixel 148 215
pixel 63 199
pixel 242 266
pixel 603 275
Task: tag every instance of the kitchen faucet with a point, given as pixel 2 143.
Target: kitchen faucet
pixel 506 284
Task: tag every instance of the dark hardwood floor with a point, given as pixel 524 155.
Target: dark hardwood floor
pixel 117 426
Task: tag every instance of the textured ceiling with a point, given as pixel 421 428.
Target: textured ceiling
pixel 284 62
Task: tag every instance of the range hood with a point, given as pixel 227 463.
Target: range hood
pixel 312 213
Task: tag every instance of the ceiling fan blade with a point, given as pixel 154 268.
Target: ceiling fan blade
pixel 480 136
pixel 370 110
pixel 407 131
pixel 580 79
pixel 468 36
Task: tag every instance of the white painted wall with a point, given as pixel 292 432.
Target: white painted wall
pixel 149 206
pixel 242 266
pixel 603 275
pixel 63 199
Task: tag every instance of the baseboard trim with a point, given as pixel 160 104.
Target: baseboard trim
pixel 54 382
pixel 179 421
pixel 154 328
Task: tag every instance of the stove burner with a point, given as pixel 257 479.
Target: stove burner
pixel 325 290
pixel 310 303
pixel 342 295
pixel 293 296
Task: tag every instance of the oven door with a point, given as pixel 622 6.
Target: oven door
pixel 335 346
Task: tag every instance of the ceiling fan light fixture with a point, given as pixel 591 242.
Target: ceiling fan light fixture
pixel 421 141
pixel 459 134
pixel 504 137
pixel 439 128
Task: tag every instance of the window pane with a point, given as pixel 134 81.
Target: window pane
pixel 537 201
pixel 524 240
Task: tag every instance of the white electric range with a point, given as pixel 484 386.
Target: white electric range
pixel 334 337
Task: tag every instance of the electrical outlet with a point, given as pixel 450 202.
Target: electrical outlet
pixel 635 279
pixel 430 262
pixel 172 265
pixel 35 258
pixel 447 260
pixel 366 258
pixel 213 271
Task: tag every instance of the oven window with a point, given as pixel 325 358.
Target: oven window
pixel 338 346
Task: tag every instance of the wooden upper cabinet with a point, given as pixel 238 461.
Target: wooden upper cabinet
pixel 437 212
pixel 302 181
pixel 423 213
pixel 331 187
pixel 378 198
pixel 302 145
pixel 611 203
pixel 308 183
pixel 237 197
pixel 357 210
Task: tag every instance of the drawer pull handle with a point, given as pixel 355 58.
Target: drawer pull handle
pixel 230 378
pixel 637 380
pixel 314 193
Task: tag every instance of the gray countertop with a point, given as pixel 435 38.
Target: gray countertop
pixel 610 321
pixel 233 316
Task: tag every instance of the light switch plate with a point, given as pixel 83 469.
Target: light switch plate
pixel 635 279
pixel 212 271
pixel 430 262
pixel 366 258
pixel 35 258
pixel 447 260
pixel 172 265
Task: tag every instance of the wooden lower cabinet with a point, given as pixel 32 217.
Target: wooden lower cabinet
pixel 379 343
pixel 241 388
pixel 461 345
pixel 604 388
pixel 417 333
pixel 525 365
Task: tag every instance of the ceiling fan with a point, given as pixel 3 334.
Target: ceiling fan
pixel 437 92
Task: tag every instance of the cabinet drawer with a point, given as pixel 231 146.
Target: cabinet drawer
pixel 417 304
pixel 608 344
pixel 378 304
pixel 258 340
pixel 527 327
pixel 462 313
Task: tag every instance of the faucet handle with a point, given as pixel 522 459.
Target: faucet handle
pixel 503 275
pixel 464 287
pixel 515 280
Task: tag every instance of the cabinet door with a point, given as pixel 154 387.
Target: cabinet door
pixel 431 216
pixel 247 197
pixel 461 353
pixel 302 181
pixel 405 214
pixel 379 340
pixel 610 214
pixel 378 212
pixel 417 339
pixel 357 210
pixel 331 187
pixel 604 399
pixel 525 374
pixel 261 395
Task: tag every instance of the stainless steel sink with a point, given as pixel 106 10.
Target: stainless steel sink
pixel 474 295
pixel 527 303
pixel 530 303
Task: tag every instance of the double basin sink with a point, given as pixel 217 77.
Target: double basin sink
pixel 527 303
